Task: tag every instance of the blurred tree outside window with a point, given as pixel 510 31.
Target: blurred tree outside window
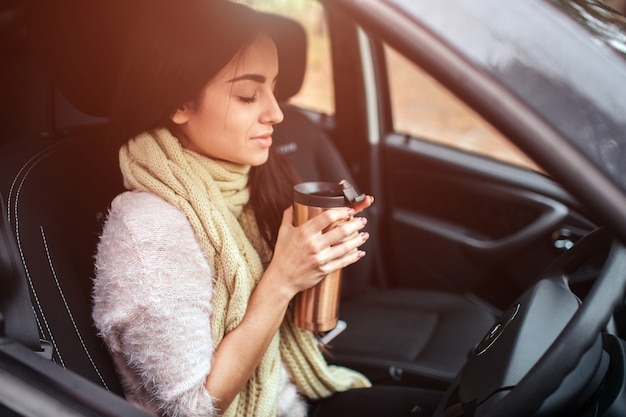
pixel 420 106
pixel 317 90
pixel 424 109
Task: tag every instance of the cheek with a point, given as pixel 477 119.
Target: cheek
pixel 240 119
pixel 215 122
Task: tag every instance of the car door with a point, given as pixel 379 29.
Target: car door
pixel 459 208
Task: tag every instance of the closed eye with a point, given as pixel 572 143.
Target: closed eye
pixel 248 100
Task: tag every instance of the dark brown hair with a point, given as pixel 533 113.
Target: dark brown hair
pixel 176 49
pixel 271 192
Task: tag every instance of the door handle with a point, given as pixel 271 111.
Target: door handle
pixel 490 250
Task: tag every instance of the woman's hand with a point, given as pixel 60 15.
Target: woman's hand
pixel 361 205
pixel 302 257
pixel 307 253
pixel 367 201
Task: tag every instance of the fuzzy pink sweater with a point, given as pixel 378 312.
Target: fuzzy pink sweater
pixel 152 306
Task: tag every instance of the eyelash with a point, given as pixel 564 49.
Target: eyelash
pixel 248 100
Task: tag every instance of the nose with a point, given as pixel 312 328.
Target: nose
pixel 272 114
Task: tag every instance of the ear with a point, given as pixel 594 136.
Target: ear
pixel 181 115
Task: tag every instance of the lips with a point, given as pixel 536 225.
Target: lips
pixel 264 140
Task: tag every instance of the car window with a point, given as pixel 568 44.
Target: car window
pixel 317 92
pixel 422 108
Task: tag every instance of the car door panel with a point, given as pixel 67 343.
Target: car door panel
pixel 462 222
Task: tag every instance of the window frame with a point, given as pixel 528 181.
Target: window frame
pixel 517 159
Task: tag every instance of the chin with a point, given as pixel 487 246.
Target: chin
pixel 255 162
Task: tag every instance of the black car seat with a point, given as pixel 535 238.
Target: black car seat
pixel 416 336
pixel 55 189
pixel 57 194
pixel 58 187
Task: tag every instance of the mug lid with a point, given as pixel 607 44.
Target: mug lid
pixel 326 194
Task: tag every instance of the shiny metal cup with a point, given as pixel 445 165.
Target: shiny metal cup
pixel 317 308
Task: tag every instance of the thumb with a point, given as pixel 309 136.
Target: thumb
pixel 288 216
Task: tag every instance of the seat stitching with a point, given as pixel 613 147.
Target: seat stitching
pixel 20 178
pixel 39 325
pixel 67 308
pixel 32 162
pixel 9 197
pixel 15 180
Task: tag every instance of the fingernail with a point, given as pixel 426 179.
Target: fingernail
pixel 361 254
pixel 365 236
pixel 364 220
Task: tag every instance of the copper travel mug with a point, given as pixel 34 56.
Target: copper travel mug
pixel 317 308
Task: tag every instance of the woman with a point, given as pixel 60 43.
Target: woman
pixel 198 262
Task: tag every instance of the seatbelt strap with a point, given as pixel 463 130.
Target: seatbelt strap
pixel 17 315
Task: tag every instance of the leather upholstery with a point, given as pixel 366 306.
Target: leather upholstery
pixel 58 189
pixel 412 336
pixel 57 195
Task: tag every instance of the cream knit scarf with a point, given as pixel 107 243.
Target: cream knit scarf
pixel 213 194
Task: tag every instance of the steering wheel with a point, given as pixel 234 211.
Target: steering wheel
pixel 544 355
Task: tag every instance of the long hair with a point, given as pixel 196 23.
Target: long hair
pixel 174 51
pixel 176 48
pixel 271 192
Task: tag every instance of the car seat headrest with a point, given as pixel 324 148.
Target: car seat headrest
pixel 80 46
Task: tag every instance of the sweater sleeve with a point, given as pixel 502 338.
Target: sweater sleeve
pixel 152 305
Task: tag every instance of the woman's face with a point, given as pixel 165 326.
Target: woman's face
pixel 233 119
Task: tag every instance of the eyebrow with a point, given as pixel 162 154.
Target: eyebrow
pixel 252 77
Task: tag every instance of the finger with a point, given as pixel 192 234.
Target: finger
pixel 331 255
pixel 342 262
pixel 288 215
pixel 348 245
pixel 343 230
pixel 367 201
pixel 327 218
